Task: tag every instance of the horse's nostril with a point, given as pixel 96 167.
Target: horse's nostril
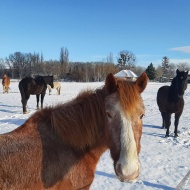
pixel 118 169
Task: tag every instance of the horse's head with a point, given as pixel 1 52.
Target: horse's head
pixel 49 80
pixel 180 82
pixel 125 109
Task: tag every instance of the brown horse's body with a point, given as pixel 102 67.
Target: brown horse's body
pixel 31 161
pixel 59 147
pixel 34 86
pixel 5 83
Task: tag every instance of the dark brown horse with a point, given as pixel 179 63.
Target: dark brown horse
pixel 30 86
pixel 170 100
pixel 5 83
pixel 59 147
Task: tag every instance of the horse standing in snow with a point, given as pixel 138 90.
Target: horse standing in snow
pixel 34 86
pixel 57 86
pixel 59 147
pixel 170 100
pixel 5 83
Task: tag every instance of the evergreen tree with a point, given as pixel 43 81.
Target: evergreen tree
pixel 165 66
pixel 151 72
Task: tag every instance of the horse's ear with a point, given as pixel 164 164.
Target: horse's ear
pixel 177 71
pixel 141 82
pixel 111 83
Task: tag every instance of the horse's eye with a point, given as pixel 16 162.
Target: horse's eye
pixel 141 116
pixel 109 115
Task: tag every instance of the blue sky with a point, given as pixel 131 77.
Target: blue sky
pixel 92 29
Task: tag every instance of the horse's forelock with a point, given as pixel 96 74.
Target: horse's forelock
pixel 129 96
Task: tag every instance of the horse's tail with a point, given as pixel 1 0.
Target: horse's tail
pixel 22 91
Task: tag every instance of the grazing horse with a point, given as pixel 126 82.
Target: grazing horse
pixel 57 86
pixel 59 147
pixel 30 86
pixel 5 83
pixel 170 100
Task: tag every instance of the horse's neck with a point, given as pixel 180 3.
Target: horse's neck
pixel 89 126
pixel 173 94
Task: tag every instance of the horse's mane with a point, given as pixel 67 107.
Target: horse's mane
pixel 80 121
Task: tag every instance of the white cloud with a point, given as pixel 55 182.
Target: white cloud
pixel 185 49
pixel 176 61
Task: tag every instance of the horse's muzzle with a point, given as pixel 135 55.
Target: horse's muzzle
pixel 127 176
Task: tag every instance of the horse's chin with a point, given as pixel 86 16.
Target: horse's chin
pixel 126 180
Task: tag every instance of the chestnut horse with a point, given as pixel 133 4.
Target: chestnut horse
pixel 170 100
pixel 35 86
pixel 5 83
pixel 59 147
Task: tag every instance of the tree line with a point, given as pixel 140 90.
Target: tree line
pixel 166 71
pixel 19 65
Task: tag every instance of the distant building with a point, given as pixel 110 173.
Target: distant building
pixel 127 74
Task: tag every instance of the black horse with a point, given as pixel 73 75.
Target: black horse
pixel 34 86
pixel 170 100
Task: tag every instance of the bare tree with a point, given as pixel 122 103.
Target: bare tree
pixel 183 66
pixel 159 72
pixel 64 59
pixel 2 66
pixel 126 60
pixel 110 58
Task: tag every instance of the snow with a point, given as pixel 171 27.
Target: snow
pixel 164 161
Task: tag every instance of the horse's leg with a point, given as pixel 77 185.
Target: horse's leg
pixel 167 123
pixel 163 119
pixel 42 99
pixel 24 103
pixel 37 99
pixel 177 116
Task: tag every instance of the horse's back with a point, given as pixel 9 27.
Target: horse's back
pixel 56 85
pixel 32 86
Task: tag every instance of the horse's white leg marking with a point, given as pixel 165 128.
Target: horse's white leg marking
pixel 128 164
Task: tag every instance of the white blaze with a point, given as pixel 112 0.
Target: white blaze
pixel 128 159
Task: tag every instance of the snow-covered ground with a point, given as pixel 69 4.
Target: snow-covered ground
pixel 164 162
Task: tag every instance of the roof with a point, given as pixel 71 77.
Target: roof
pixel 126 73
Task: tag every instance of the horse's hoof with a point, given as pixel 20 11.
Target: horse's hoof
pixel 166 136
pixel 176 135
pixel 162 127
pixel 25 112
